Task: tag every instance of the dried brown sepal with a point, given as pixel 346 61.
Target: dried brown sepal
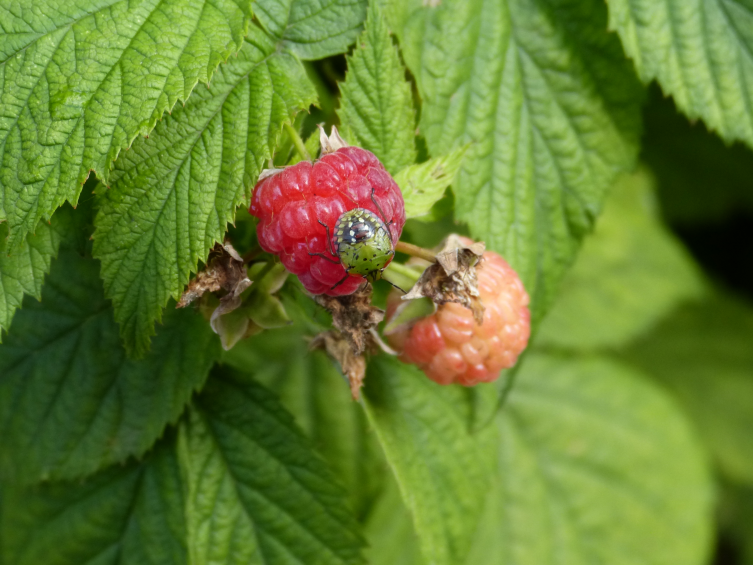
pixel 453 277
pixel 353 315
pixel 224 271
pixel 330 143
pixel 339 348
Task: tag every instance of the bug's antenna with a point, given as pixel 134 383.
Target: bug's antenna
pixel 381 272
pixel 394 285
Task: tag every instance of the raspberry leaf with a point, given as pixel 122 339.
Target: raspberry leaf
pixel 79 80
pixel 173 194
pixel 70 401
pixel 570 471
pixel 550 106
pixel 312 29
pixel 316 394
pixel 424 184
pixel 130 515
pixel 584 476
pixel 22 270
pixel 630 273
pixel 444 471
pixel 237 484
pixel 246 461
pixel 376 107
pixel 699 51
pixel 389 529
pixel 702 353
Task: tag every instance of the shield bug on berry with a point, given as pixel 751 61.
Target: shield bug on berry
pixel 298 204
pixel 362 242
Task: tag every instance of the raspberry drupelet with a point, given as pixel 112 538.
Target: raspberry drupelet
pixel 299 207
pixel 450 347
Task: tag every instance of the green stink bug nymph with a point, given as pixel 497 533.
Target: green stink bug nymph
pixel 363 244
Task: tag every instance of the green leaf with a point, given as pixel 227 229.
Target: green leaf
pixel 22 270
pixel 312 29
pixel 551 107
pixel 317 395
pixel 70 400
pixel 595 465
pixel 80 80
pixel 630 273
pixel 443 471
pixel 256 492
pixel 703 354
pixel 129 515
pixel 376 108
pixel 590 464
pixel 701 179
pixel 389 530
pixel 173 194
pixel 700 53
pixel 424 184
pixel 238 484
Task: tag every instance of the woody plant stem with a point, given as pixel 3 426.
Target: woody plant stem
pixel 415 251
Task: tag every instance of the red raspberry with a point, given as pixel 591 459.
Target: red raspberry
pixel 290 205
pixel 451 348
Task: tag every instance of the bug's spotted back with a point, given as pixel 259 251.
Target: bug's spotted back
pixel 363 243
pixel 357 226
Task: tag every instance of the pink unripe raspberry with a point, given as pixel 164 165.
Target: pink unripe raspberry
pixel 450 347
pixel 295 205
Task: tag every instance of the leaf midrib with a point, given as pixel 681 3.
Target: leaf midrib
pixel 208 422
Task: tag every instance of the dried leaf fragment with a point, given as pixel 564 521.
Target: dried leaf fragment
pixel 353 315
pixel 330 143
pixel 453 277
pixel 354 318
pixel 339 348
pixel 224 271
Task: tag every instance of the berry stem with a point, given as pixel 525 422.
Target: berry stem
pixel 415 251
pixel 264 271
pixel 252 254
pixel 297 141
